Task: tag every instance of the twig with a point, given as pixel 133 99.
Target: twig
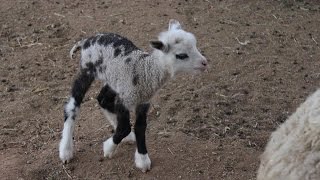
pixel 274 16
pixel 53 63
pixel 106 125
pixel 243 43
pixel 87 16
pixel 314 40
pixel 65 170
pixel 229 22
pixel 32 44
pixel 170 151
pixel 218 94
pixel 116 14
pixel 305 9
pixel 60 15
pixel 52 131
pixel 18 40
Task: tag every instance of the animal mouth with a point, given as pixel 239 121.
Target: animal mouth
pixel 203 68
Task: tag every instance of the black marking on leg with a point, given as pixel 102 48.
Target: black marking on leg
pixel 82 84
pixel 73 116
pixel 135 79
pixel 140 127
pixel 123 119
pixel 106 98
pixel 65 115
pixel 117 51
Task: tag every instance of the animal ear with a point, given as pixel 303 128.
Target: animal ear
pixel 159 45
pixel 174 24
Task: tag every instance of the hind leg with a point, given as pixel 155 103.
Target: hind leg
pixel 71 109
pixel 106 99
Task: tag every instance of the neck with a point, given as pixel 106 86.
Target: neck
pixel 162 64
pixel 158 71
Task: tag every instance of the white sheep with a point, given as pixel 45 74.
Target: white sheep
pixel 293 152
pixel 131 78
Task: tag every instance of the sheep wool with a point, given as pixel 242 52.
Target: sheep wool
pixel 293 151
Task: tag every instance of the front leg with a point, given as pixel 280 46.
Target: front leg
pixel 123 129
pixel 142 159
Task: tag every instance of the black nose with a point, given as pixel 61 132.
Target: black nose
pixel 204 63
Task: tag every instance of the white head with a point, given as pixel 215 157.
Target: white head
pixel 177 48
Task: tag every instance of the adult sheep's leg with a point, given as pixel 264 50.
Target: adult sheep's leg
pixel 80 87
pixel 106 99
pixel 123 129
pixel 142 159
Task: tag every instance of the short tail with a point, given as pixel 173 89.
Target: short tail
pixel 76 47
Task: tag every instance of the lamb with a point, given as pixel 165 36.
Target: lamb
pixel 293 152
pixel 131 78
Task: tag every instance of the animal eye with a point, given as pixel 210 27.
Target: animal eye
pixel 182 56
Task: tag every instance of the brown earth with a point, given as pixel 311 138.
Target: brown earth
pixel 264 61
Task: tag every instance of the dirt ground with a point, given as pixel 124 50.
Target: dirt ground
pixel 264 61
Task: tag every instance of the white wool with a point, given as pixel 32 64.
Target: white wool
pixel 293 151
pixel 66 143
pixel 142 161
pixel 109 147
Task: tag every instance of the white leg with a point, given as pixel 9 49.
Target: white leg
pixel 66 143
pixel 109 147
pixel 142 161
